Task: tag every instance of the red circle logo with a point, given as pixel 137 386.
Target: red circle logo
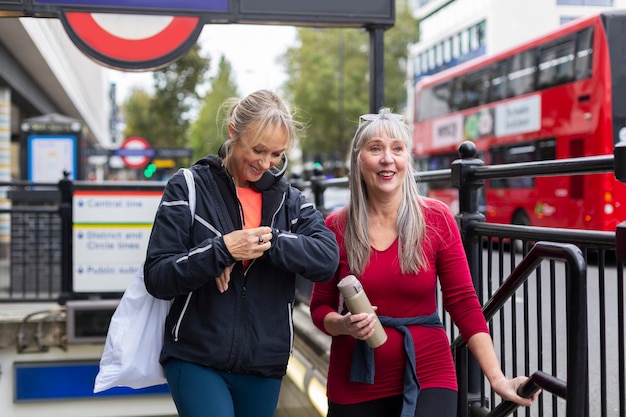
pixel 120 41
pixel 135 152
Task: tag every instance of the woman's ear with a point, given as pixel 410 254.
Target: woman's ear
pixel 231 130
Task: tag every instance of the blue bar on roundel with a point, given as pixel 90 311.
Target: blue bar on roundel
pixel 179 5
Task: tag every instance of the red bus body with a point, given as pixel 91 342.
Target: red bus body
pixel 560 96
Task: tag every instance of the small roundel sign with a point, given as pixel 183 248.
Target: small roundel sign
pixel 135 152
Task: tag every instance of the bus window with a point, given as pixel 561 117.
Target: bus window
pixel 443 161
pixel 546 149
pixel 497 85
pixel 584 54
pixel 521 152
pixel 457 94
pixel 435 101
pixel 556 62
pixel 475 87
pixel 521 77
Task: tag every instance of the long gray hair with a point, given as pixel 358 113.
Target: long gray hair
pixel 410 223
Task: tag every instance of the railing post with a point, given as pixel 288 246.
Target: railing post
pixel 469 189
pixel 619 158
pixel 66 187
pixel 620 241
pixel 318 187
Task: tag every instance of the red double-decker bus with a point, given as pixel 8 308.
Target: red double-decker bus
pixel 560 96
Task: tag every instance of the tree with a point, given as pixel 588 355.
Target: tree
pixel 164 117
pixel 137 115
pixel 327 83
pixel 207 132
pixel 397 40
pixel 329 79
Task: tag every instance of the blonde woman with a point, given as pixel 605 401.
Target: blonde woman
pixel 229 332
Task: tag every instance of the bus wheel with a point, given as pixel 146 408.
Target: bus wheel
pixel 520 218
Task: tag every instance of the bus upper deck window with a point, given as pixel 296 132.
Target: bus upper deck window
pixel 584 54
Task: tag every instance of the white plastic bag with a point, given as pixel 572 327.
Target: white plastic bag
pixel 134 340
pixel 135 336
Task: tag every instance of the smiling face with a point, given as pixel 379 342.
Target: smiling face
pixel 253 157
pixel 383 162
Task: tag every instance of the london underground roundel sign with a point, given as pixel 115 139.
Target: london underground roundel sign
pixel 135 152
pixel 132 42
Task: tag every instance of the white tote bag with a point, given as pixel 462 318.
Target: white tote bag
pixel 135 335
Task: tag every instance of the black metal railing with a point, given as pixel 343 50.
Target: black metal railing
pixel 31 255
pixel 576 322
pixel 535 342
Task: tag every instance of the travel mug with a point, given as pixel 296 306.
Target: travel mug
pixel 357 302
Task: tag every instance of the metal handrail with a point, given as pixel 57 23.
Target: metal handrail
pixel 576 324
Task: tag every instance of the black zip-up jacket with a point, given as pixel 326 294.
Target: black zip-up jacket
pixel 248 328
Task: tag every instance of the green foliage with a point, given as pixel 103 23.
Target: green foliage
pixel 163 118
pixel 329 79
pixel 397 40
pixel 328 82
pixel 207 132
pixel 139 118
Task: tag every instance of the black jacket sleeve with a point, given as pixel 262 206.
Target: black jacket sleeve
pixel 309 248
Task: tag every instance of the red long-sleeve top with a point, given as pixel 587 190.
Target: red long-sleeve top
pixel 403 295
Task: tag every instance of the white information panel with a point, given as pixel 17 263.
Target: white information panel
pixel 111 231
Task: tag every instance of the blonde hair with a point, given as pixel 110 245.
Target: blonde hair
pixel 410 223
pixel 258 114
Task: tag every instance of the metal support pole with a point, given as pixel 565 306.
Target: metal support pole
pixel 469 189
pixel 619 155
pixel 620 241
pixel 377 68
pixel 317 187
pixel 66 187
pixel 619 163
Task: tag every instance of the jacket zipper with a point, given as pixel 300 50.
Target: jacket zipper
pixel 238 337
pixel 290 317
pixel 180 318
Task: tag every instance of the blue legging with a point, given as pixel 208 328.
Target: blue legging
pixel 199 391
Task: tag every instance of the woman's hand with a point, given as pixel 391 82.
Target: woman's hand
pixel 507 389
pixel 248 243
pixel 360 326
pixel 482 347
pixel 223 280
